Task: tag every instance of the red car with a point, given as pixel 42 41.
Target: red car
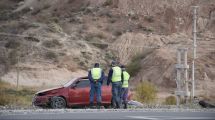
pixel 75 93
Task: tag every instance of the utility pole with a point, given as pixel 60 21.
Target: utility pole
pixel 182 75
pixel 194 49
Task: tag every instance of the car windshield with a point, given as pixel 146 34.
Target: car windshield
pixel 69 83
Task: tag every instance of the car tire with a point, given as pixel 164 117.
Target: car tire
pixel 58 103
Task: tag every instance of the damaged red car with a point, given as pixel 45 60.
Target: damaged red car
pixel 75 93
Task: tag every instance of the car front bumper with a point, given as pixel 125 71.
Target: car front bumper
pixel 40 100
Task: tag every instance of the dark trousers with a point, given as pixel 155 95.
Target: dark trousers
pixel 116 93
pixel 124 97
pixel 95 88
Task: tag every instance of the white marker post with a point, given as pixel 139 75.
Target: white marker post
pixel 194 49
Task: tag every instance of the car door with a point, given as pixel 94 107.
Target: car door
pixel 106 92
pixel 79 94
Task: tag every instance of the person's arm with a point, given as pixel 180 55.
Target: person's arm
pixel 102 77
pixel 90 77
pixel 109 76
pixel 122 76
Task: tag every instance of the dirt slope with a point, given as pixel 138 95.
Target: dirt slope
pixel 61 39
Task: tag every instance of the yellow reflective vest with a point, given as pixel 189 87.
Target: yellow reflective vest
pixel 126 77
pixel 96 73
pixel 117 72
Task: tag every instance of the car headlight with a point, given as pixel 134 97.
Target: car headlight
pixel 41 94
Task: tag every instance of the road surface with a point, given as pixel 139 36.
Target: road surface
pixel 109 114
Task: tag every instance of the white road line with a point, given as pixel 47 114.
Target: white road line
pixel 142 117
pixel 192 118
pixel 170 118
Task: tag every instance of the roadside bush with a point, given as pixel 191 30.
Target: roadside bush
pixel 171 100
pixel 146 92
pixel 5 99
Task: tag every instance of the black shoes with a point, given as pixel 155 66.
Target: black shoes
pixel 91 105
pixel 125 106
pixel 99 105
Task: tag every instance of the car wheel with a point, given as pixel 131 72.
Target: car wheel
pixel 58 103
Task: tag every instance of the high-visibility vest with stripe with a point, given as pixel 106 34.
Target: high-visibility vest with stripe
pixel 126 77
pixel 96 73
pixel 117 72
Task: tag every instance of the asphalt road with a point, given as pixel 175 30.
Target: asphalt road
pixel 110 114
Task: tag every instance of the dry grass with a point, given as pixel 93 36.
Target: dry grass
pixel 171 100
pixel 146 92
pixel 52 43
pixel 11 96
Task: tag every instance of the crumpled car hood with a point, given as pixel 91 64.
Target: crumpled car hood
pixel 46 90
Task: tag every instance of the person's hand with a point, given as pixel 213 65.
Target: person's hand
pixel 95 82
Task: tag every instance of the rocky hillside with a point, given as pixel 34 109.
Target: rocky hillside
pixel 51 41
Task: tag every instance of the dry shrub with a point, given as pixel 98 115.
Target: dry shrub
pixel 146 92
pixel 54 27
pixel 51 43
pixel 12 44
pixel 171 100
pixel 135 64
pixel 95 37
pixel 51 55
pixel 108 3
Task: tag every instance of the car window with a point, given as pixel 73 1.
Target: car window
pixel 104 82
pixel 83 83
pixel 69 83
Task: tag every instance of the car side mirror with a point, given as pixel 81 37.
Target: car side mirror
pixel 73 86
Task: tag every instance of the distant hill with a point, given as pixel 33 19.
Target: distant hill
pixel 53 41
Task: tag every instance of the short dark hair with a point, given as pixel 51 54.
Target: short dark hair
pixel 122 66
pixel 113 63
pixel 96 65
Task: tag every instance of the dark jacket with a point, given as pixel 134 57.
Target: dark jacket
pixel 91 78
pixel 110 76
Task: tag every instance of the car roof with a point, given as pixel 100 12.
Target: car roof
pixel 86 77
pixel 82 78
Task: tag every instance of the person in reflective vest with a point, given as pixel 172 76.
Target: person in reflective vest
pixel 96 77
pixel 115 78
pixel 124 91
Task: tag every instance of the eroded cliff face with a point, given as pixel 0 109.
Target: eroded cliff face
pixel 52 41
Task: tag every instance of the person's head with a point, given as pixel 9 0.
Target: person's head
pixel 113 63
pixel 96 65
pixel 122 67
